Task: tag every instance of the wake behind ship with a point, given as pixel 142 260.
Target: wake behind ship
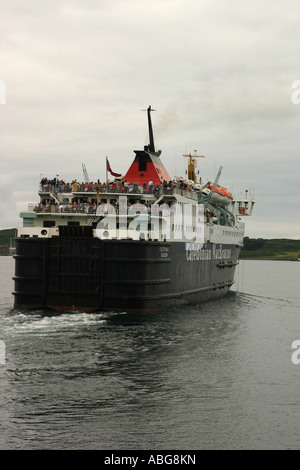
pixel 139 242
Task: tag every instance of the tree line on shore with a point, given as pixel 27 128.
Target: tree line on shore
pixel 277 248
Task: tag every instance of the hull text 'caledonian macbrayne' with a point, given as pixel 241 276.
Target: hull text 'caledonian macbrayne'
pixel 141 242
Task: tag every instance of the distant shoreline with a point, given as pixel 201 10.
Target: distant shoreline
pixel 276 249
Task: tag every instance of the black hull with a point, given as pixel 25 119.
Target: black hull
pixel 89 274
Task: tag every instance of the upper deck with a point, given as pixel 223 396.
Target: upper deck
pixel 89 204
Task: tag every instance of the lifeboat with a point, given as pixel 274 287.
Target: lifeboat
pixel 220 195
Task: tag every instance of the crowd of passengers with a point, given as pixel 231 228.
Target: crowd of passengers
pixel 82 205
pixel 74 207
pixel 87 207
pixel 119 186
pixel 112 208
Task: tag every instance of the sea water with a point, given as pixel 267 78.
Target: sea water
pixel 219 375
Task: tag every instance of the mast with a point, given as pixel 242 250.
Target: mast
pixel 151 147
pixel 192 165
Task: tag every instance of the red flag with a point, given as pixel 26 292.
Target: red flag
pixel 110 170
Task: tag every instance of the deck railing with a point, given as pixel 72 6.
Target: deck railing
pixel 62 209
pixel 156 190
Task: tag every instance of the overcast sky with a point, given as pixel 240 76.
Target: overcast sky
pixel 218 72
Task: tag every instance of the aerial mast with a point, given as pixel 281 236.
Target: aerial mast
pixel 151 147
pixel 192 165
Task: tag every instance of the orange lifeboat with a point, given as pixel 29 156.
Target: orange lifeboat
pixel 220 195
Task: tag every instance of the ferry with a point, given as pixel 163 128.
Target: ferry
pixel 137 242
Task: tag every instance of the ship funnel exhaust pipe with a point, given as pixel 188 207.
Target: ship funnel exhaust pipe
pixel 151 147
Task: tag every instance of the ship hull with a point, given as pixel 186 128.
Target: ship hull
pixel 89 274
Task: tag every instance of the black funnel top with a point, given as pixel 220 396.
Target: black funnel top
pixel 151 147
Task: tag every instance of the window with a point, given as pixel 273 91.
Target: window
pixel 49 223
